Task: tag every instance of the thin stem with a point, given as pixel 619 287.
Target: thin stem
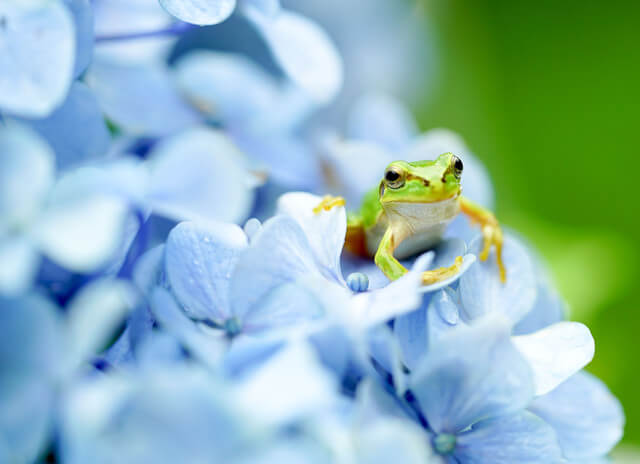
pixel 177 28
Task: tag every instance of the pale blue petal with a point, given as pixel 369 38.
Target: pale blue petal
pixel 282 158
pixel 24 156
pixel 422 328
pixel 267 8
pixel 354 167
pixel 140 100
pixel 280 253
pixel 285 305
pixel 81 227
pixel 126 17
pixel 548 309
pixel 37 47
pixel 93 316
pixel 412 333
pixel 158 349
pixel 295 383
pixel 472 373
pixel 200 12
pixel 176 413
pixel 399 297
pixel 476 183
pixel 384 349
pixel 248 352
pixel 383 120
pixel 587 418
pixel 392 440
pixel 83 19
pixel 20 260
pixel 199 175
pixel 207 347
pixel 325 230
pixel 76 130
pixel 30 349
pixel 335 349
pixel 304 51
pixel 482 292
pixel 556 352
pixel 447 251
pixel 374 403
pixel 227 86
pixel 199 260
pixel 149 270
pixel 522 438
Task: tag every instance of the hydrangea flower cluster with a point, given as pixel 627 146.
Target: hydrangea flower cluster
pixel 167 293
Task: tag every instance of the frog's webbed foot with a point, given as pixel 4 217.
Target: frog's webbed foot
pixel 442 273
pixel 328 202
pixel 492 235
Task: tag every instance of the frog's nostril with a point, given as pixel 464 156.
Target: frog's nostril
pixel 426 182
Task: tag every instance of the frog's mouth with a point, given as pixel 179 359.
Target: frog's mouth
pixel 422 200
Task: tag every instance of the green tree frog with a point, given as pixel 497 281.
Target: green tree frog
pixel 408 211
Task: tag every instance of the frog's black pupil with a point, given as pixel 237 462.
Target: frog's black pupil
pixel 458 164
pixel 392 176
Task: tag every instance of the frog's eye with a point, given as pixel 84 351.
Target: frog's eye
pixel 394 177
pixel 457 165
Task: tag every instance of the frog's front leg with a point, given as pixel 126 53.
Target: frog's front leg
pixel 328 202
pixel 392 268
pixel 491 231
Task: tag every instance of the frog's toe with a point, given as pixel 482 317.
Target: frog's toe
pixel 442 273
pixel 327 203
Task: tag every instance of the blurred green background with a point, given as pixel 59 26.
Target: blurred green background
pixel 547 94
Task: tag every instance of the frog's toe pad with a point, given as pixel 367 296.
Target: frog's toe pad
pixel 327 203
pixel 442 273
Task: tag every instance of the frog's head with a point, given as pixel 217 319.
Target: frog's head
pixel 422 181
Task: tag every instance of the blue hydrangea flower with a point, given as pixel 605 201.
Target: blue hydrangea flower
pixel 69 220
pixel 146 414
pixel 40 351
pixel 234 92
pixel 301 47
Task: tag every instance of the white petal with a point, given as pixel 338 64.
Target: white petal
pixel 556 352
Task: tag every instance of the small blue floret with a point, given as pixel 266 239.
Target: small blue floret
pixel 358 282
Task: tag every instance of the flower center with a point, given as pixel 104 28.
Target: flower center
pixel 358 282
pixel 444 443
pixel 232 327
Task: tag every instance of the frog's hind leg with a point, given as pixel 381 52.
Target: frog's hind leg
pixel 356 239
pixel 442 273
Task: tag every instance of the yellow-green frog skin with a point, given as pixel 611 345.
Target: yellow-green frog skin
pixel 408 211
